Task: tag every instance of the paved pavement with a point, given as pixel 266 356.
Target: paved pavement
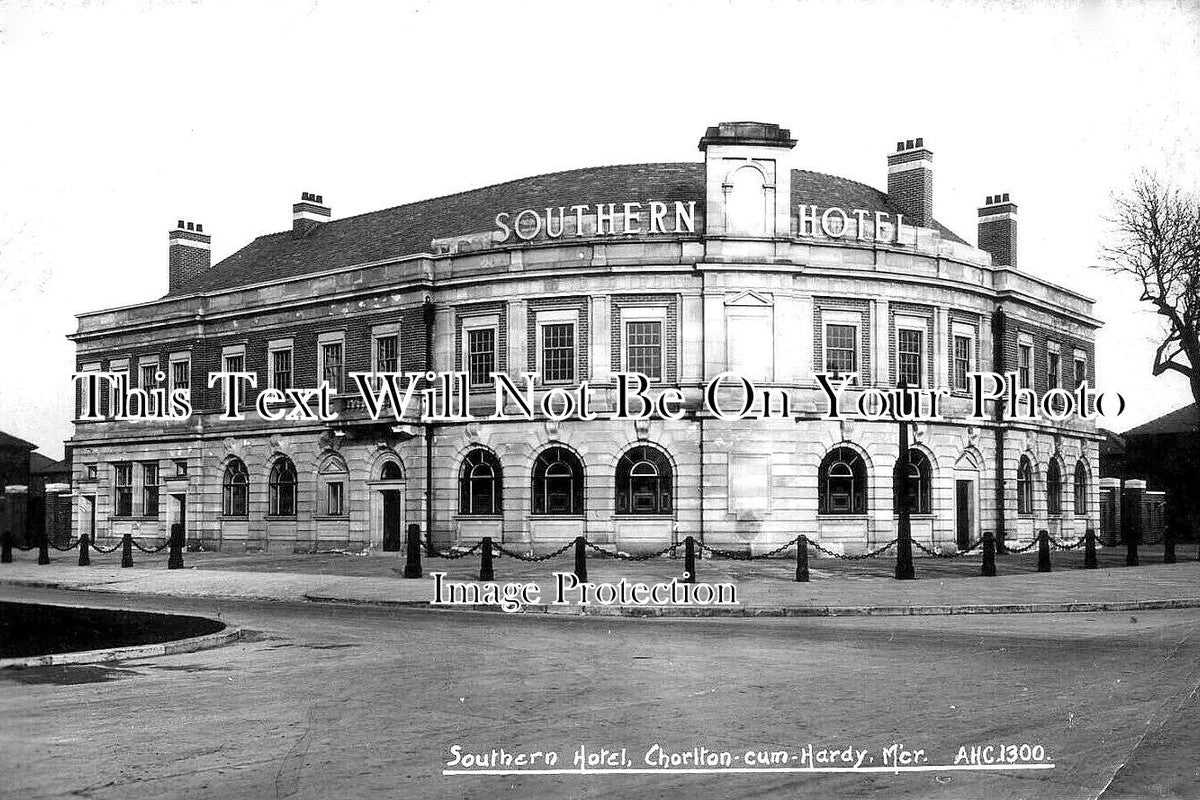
pixel 764 587
pixel 324 701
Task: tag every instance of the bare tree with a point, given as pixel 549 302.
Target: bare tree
pixel 1156 239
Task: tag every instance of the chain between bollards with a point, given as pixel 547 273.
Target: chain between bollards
pixel 989 555
pixel 802 559
pixel 6 548
pixel 85 558
pixel 1043 551
pixel 689 560
pixel 412 562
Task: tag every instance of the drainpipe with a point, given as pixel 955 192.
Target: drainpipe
pixel 428 314
pixel 999 328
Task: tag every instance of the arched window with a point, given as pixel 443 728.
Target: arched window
pixel 282 489
pixel 479 483
pixel 557 482
pixel 234 489
pixel 842 483
pixel 1024 486
pixel 1081 488
pixel 391 471
pixel 332 479
pixel 644 482
pixel 1054 487
pixel 920 480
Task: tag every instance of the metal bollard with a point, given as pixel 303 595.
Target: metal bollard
pixel 85 558
pixel 1168 544
pixel 1043 552
pixel 989 555
pixel 1089 549
pixel 1131 552
pixel 6 548
pixel 802 559
pixel 689 560
pixel 175 559
pixel 43 549
pixel 412 562
pixel 127 550
pixel 580 559
pixel 486 570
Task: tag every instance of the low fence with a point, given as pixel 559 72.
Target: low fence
pixel 987 547
pixel 693 550
pixel 86 545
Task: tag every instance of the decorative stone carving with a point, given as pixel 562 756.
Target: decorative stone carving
pixel 642 428
pixel 471 432
pixel 552 429
pixel 972 435
pixel 919 430
pixel 849 428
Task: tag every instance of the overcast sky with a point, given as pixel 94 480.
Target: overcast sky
pixel 120 118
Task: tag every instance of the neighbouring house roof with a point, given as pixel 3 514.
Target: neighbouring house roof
pixel 44 465
pixel 1181 420
pixel 8 441
pixel 409 229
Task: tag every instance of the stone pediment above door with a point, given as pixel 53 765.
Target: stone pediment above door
pixel 749 299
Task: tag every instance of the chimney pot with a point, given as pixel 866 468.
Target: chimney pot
pixel 908 145
pixel 920 142
pixel 1006 197
pixel 180 226
pixel 899 147
pixel 188 254
pixel 199 228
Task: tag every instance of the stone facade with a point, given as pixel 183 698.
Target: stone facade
pixel 740 293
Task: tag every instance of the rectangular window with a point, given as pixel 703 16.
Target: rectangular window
pixel 123 490
pixel 1024 364
pixel 150 489
pixel 120 369
pixel 909 354
pixel 558 352
pixel 181 468
pixel 334 497
pixel 235 362
pixel 147 375
pixel 1080 368
pixel 1052 370
pixel 331 365
pixel 841 349
pixel 963 351
pixel 643 348
pixel 281 369
pixel 481 355
pixel 181 375
pixel 387 354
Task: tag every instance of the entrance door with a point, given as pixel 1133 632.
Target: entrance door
pixel 393 520
pixel 964 496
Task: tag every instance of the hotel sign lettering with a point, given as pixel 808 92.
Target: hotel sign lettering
pixel 835 223
pixel 611 219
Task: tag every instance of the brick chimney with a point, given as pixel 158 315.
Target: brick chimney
pixel 998 229
pixel 308 214
pixel 189 253
pixel 910 181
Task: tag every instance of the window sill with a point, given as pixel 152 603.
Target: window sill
pixel 835 515
pixel 914 515
pixel 325 517
pixel 235 518
pixel 282 518
pixel 646 515
pixel 573 517
pixel 484 517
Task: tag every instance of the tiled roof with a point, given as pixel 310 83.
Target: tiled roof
pixel 44 465
pixel 408 229
pixel 1181 420
pixel 7 440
